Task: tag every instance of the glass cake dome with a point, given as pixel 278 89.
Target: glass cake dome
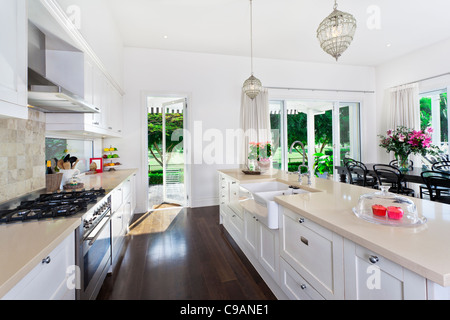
pixel 388 208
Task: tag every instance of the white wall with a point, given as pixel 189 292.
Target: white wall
pixel 212 84
pixel 422 64
pixel 100 31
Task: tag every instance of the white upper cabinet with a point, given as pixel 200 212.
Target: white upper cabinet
pixel 13 59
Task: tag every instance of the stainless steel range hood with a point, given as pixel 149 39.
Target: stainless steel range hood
pixel 43 94
pixel 48 97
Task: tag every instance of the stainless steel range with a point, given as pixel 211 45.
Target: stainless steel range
pixel 92 238
pixel 93 249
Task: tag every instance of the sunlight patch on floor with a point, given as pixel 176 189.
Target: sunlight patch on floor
pixel 157 220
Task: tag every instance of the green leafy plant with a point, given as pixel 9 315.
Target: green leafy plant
pixel 322 163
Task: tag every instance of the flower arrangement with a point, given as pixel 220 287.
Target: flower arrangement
pixel 260 151
pixel 404 142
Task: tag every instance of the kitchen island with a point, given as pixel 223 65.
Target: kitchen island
pixel 23 246
pixel 421 252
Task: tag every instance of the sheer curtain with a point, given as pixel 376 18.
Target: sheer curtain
pixel 255 122
pixel 405 107
pixel 405 111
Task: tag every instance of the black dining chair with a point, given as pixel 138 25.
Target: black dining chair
pixel 436 182
pixel 443 166
pixel 394 163
pixel 392 175
pixel 358 173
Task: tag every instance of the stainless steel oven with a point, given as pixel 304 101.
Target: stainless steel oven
pixel 93 252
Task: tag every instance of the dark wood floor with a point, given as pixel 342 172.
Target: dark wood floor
pixel 194 259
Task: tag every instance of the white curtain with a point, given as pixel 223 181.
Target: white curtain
pixel 405 111
pixel 405 107
pixel 255 122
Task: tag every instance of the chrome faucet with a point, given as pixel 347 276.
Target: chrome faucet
pixel 308 172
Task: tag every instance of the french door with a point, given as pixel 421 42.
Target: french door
pixel 331 128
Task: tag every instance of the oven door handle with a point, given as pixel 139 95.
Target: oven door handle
pixel 97 234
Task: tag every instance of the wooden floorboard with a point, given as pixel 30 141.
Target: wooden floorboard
pixel 193 259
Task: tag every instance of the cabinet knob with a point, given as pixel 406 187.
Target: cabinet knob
pixel 301 220
pixel 303 286
pixel 373 259
pixel 46 260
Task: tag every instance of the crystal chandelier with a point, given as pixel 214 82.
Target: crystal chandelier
pixel 336 32
pixel 252 86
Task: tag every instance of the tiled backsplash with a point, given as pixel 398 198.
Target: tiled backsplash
pixel 22 155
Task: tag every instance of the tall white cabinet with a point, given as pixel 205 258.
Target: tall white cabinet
pixel 13 59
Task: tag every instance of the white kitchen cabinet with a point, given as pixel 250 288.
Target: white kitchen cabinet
pixel 314 252
pixel 262 242
pixel 51 279
pixel 133 193
pixel 250 235
pixel 13 59
pixel 98 91
pixel 231 219
pixel 117 236
pixel 269 250
pixel 122 213
pixel 370 276
pixel 294 285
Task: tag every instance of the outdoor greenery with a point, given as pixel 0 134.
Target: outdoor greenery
pixel 425 115
pixel 297 130
pixel 174 126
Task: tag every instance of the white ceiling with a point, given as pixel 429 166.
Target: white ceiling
pixel 282 29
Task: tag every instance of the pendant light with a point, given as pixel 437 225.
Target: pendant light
pixel 336 32
pixel 252 86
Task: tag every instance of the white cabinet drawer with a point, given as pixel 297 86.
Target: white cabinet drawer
pixel 294 286
pixel 315 252
pixel 49 281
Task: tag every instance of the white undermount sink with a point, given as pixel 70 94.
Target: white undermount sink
pixel 264 194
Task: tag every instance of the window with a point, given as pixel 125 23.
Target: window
pixel 59 148
pixel 320 125
pixel 434 113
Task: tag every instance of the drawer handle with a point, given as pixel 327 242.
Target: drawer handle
pixel 303 286
pixel 301 220
pixel 373 259
pixel 46 260
pixel 304 240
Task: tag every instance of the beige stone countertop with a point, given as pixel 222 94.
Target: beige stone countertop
pixel 423 249
pixel 24 245
pixel 107 180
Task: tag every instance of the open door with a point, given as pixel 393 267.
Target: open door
pixel 174 159
pixel 166 151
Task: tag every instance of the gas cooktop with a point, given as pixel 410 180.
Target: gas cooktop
pixel 51 206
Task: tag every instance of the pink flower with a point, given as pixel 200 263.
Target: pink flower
pixel 401 137
pixel 427 142
pixel 429 131
pixel 390 132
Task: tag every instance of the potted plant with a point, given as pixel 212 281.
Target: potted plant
pixel 260 154
pixel 323 165
pixel 404 142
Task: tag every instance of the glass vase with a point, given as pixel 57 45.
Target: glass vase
pixel 402 162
